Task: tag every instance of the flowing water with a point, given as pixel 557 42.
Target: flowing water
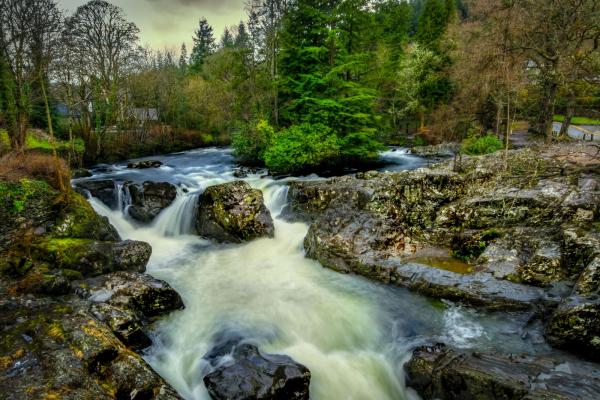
pixel 353 334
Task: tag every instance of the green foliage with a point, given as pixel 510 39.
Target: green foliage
pixel 481 145
pixel 203 44
pixel 302 147
pixel 40 143
pixel 433 21
pixel 250 143
pixel 15 195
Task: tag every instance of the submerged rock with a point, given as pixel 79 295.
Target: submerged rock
pixel 233 212
pixel 249 374
pixel 145 164
pixel 438 372
pixel 149 199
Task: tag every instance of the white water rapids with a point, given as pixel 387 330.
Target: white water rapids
pixel 353 334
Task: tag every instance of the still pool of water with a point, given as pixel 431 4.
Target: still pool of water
pixel 353 334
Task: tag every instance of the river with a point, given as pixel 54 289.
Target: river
pixel 353 334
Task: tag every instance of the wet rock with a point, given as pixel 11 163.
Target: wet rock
pixel 59 350
pixel 438 372
pixel 92 257
pixel 146 296
pixel 529 255
pixel 124 324
pixel 145 164
pixel 589 281
pixel 249 374
pixel 582 204
pixel 508 206
pixel 149 199
pixel 81 173
pixel 580 247
pixel 574 326
pixel 103 189
pixel 233 212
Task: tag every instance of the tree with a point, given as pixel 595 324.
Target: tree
pixel 105 44
pixel 183 57
pixel 433 22
pixel 227 40
pixel 28 30
pixel 203 44
pixel 558 38
pixel 422 83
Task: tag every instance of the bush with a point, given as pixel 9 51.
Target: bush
pixel 302 148
pixel 360 146
pixel 250 143
pixel 481 145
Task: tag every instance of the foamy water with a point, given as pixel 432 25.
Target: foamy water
pixel 353 334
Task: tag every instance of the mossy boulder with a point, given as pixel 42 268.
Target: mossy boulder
pixel 79 220
pixel 91 257
pixel 233 212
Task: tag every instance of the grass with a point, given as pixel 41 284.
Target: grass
pixel 36 141
pixel 578 120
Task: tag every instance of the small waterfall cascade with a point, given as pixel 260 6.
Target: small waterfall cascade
pixel 276 199
pixel 123 196
pixel 179 217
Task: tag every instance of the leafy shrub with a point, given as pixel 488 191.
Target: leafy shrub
pixel 360 146
pixel 302 147
pixel 250 143
pixel 481 145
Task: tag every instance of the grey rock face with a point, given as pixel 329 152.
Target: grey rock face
pixel 438 372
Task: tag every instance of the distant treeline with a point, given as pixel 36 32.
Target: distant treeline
pixel 300 84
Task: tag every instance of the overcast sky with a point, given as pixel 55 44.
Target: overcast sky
pixel 168 23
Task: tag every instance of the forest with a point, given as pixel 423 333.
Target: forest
pixel 300 85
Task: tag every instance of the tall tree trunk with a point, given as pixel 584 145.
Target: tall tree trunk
pixel 545 117
pixel 564 129
pixel 57 168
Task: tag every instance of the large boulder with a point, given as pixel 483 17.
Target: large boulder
pixel 126 301
pixel 102 189
pixel 233 212
pixel 438 372
pixel 91 257
pixel 248 374
pixel 79 220
pixel 150 198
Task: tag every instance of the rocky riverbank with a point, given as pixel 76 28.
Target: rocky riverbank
pixel 526 231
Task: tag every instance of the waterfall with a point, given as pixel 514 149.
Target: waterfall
pixel 123 197
pixel 276 199
pixel 179 217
